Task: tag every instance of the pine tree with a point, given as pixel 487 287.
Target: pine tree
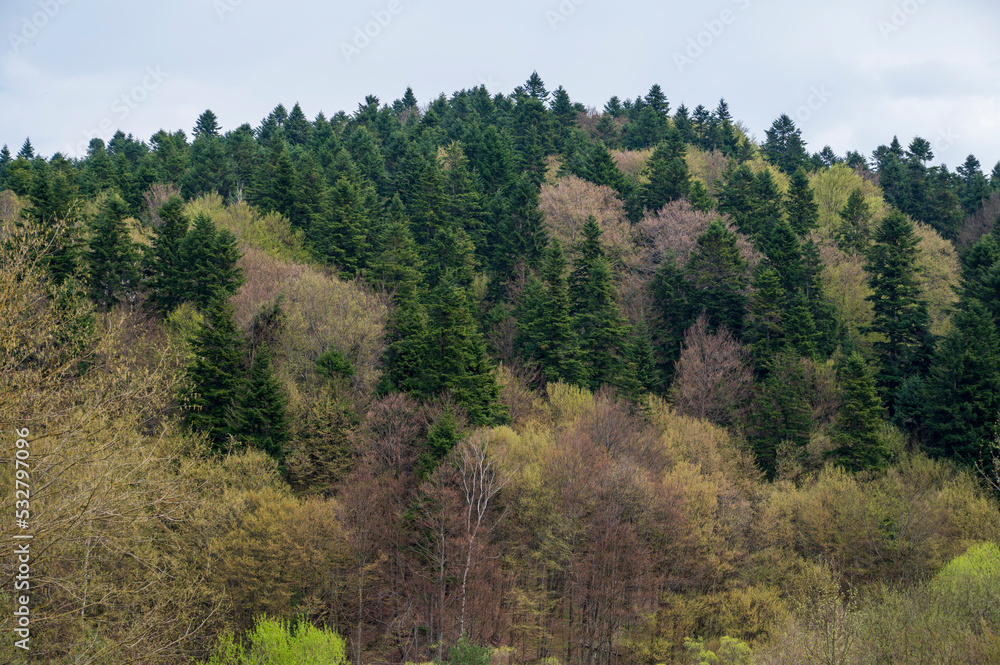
pixel 800 205
pixel 900 313
pixel 962 395
pixel 699 198
pixel 857 432
pixel 214 379
pixel 112 274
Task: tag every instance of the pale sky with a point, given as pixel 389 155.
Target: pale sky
pixel 852 73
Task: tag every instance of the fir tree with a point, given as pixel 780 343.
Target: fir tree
pixel 718 277
pixel 597 320
pixel 780 412
pixel 668 174
pixel 784 146
pixel 214 379
pixel 900 313
pixel 208 263
pixel 962 395
pixel 262 418
pixel 855 230
pixel 857 432
pixel 672 314
pixel 163 264
pixel 800 205
pixel 547 329
pixel 112 274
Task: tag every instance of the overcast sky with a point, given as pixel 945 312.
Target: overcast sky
pixel 852 73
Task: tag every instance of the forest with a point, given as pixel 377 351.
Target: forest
pixel 501 378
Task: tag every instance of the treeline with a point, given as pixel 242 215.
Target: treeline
pixel 579 385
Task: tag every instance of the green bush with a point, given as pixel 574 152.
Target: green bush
pixel 275 642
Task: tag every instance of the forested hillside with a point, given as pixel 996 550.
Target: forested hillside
pixel 503 377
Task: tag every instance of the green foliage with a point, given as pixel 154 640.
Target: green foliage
pixel 718 275
pixel 900 312
pixel 467 652
pixel 276 642
pixel 857 433
pixel 113 274
pixel 213 375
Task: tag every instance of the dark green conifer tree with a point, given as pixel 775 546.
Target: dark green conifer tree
pixel 213 377
pixel 854 233
pixel 545 325
pixel 668 174
pixel 599 324
pixel 208 263
pixel 962 395
pixel 164 267
pixel 780 411
pixel 857 432
pixel 672 314
pixel 455 362
pixel 800 205
pixel 112 263
pixel 900 313
pixel 718 277
pixel 262 419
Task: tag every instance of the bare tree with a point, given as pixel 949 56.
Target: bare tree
pixel 713 376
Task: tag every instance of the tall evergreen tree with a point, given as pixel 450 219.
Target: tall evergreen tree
pixel 213 376
pixel 208 263
pixel 262 419
pixel 784 146
pixel 547 331
pixel 113 274
pixel 962 396
pixel 668 174
pixel 857 432
pixel 900 313
pixel 718 277
pixel 164 266
pixel 598 322
pixel 800 205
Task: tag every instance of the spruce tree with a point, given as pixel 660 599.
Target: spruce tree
pixel 598 322
pixel 668 174
pixel 781 412
pixel 261 412
pixel 546 326
pixel 112 270
pixel 800 205
pixel 857 432
pixel 213 377
pixel 962 395
pixel 672 314
pixel 455 361
pixel 163 264
pixel 900 313
pixel 855 230
pixel 718 277
pixel 765 329
pixel 208 263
